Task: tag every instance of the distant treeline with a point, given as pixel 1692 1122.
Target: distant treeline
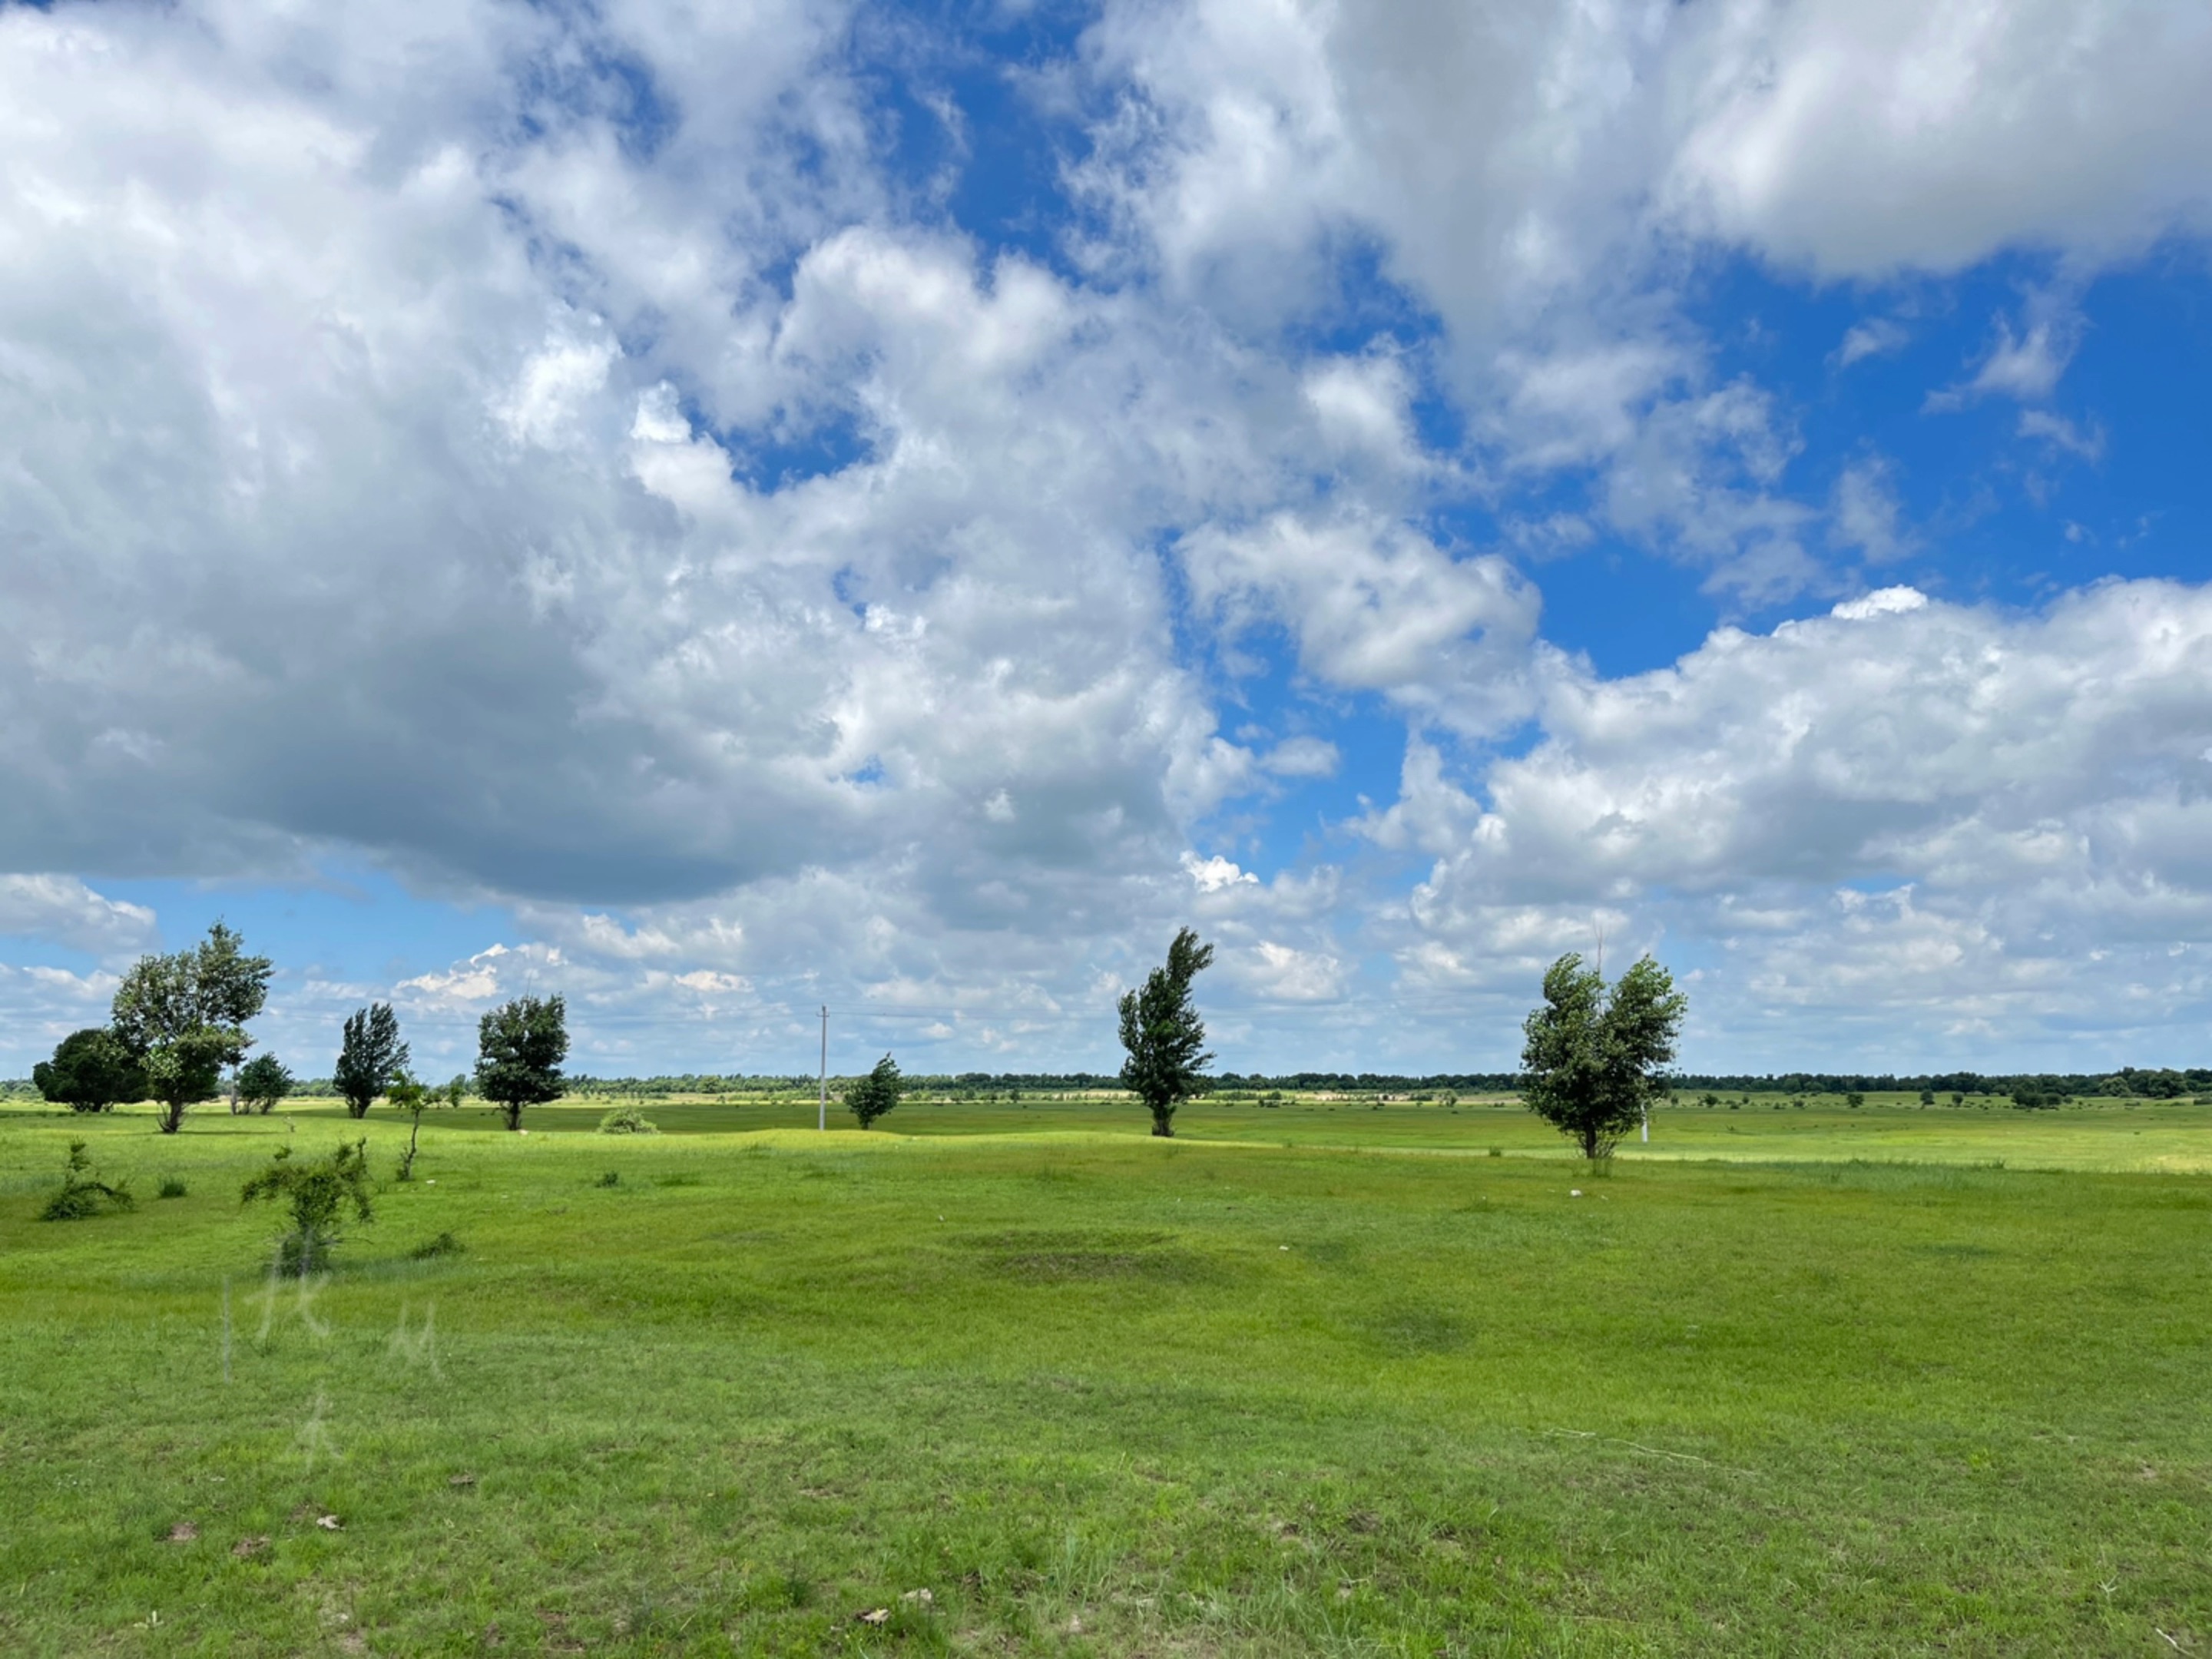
pixel 2128 1083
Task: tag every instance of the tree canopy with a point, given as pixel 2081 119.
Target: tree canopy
pixel 869 1097
pixel 370 1055
pixel 263 1081
pixel 1594 1057
pixel 182 1016
pixel 520 1049
pixel 1164 1035
pixel 91 1072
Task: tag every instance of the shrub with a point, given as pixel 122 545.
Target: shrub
pixel 83 1194
pixel 627 1120
pixel 316 1194
pixel 170 1188
pixel 612 1178
pixel 431 1248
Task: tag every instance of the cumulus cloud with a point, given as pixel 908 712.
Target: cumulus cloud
pixel 1377 606
pixel 1973 798
pixel 63 910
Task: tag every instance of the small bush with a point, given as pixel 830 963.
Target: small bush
pixel 316 1194
pixel 83 1194
pixel 170 1188
pixel 1498 1151
pixel 612 1178
pixel 627 1120
pixel 431 1248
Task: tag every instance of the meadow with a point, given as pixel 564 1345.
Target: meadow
pixel 1333 1376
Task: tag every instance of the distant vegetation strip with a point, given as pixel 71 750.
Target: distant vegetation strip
pixel 2129 1082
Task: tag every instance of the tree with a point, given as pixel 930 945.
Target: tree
pixel 233 988
pixel 91 1070
pixel 317 1195
pixel 1163 1035
pixel 520 1049
pixel 263 1081
pixel 1592 1063
pixel 182 1017
pixel 869 1097
pixel 370 1055
pixel 414 1098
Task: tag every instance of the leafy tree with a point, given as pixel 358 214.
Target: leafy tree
pixel 1592 1062
pixel 84 1193
pixel 370 1055
pixel 91 1070
pixel 414 1098
pixel 520 1049
pixel 1163 1035
pixel 317 1195
pixel 183 1018
pixel 869 1097
pixel 263 1081
pixel 233 988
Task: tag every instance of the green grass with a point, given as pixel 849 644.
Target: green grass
pixel 1788 1382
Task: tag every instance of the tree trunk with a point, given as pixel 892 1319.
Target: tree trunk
pixel 1164 1122
pixel 172 1117
pixel 514 1111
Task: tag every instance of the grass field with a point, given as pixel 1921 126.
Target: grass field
pixel 1314 1378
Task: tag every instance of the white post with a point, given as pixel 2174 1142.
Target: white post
pixel 821 1114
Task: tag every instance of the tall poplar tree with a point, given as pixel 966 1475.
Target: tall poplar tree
pixel 1164 1036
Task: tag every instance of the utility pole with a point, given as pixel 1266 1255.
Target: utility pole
pixel 821 1114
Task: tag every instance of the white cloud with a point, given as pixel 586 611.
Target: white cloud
pixel 2062 434
pixel 1303 758
pixel 1866 513
pixel 1375 606
pixel 63 910
pixel 1882 602
pixel 1877 337
pixel 2025 365
pixel 1961 805
pixel 1213 875
pixel 1862 136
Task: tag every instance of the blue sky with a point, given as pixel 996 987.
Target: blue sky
pixel 902 506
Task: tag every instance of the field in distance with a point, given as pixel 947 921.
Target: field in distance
pixel 2173 1136
pixel 1013 1377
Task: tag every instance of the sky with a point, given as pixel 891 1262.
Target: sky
pixel 719 512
